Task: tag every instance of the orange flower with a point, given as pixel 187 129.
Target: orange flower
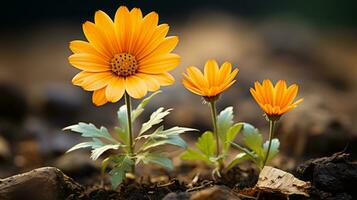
pixel 130 54
pixel 275 101
pixel 214 80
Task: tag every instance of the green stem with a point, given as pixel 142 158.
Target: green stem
pixel 130 128
pixel 215 131
pixel 271 134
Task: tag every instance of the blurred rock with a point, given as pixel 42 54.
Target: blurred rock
pixel 77 164
pixel 333 177
pixel 46 183
pixel 177 196
pixel 314 129
pixel 5 152
pixel 28 154
pixel 13 104
pixel 62 105
pixel 216 193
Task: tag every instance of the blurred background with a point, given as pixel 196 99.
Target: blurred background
pixel 311 43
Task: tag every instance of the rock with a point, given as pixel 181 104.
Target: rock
pixel 315 128
pixel 13 104
pixel 216 193
pixel 332 177
pixel 177 196
pixel 77 164
pixel 47 183
pixel 62 105
pixel 4 149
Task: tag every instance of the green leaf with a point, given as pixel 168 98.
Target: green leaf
pixel 122 165
pixel 95 143
pixel 140 108
pixel 173 140
pixel 124 136
pixel 231 135
pixel 96 152
pixel 157 158
pixel 274 148
pixel 89 130
pixel 191 154
pixel 224 121
pixel 161 133
pixel 253 139
pixel 207 144
pixel 155 118
pixel 122 118
pixel 237 159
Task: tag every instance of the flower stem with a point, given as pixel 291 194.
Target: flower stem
pixel 271 134
pixel 130 128
pixel 215 131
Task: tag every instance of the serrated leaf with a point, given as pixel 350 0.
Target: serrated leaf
pixel 253 139
pixel 89 130
pixel 140 108
pixel 207 144
pixel 237 159
pixel 231 135
pixel 95 143
pixel 191 154
pixel 155 118
pixel 157 158
pixel 274 148
pixel 122 165
pixel 99 151
pixel 173 140
pixel 224 121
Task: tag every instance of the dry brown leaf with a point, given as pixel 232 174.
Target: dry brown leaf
pixel 276 180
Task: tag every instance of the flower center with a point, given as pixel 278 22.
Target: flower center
pixel 124 64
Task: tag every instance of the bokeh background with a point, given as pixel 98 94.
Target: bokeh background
pixel 311 43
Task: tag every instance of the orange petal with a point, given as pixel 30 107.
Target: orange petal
pixel 88 62
pixel 136 26
pixel 98 97
pixel 97 38
pixel 122 26
pixel 156 39
pixel 192 87
pixel 149 25
pixel 91 81
pixel 135 87
pixel 290 95
pixel 115 89
pixel 78 46
pixel 151 83
pixel 165 47
pixel 104 22
pixel 269 91
pixel 279 90
pixel 197 77
pixel 164 79
pixel 159 64
pixel 211 72
pixel 224 71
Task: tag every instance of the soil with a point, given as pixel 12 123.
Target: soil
pixel 332 178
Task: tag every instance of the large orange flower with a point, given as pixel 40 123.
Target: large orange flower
pixel 275 101
pixel 130 54
pixel 214 80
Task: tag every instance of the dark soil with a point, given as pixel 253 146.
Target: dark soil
pixel 332 178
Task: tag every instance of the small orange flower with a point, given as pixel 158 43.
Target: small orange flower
pixel 275 101
pixel 129 54
pixel 214 80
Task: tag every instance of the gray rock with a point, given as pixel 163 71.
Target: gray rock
pixel 47 183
